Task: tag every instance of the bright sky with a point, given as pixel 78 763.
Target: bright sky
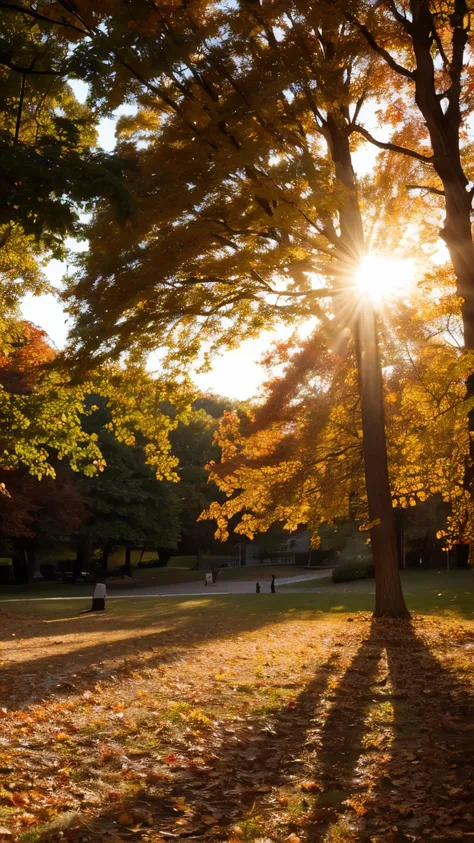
pixel 236 374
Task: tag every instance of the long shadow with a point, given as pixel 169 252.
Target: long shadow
pixel 185 628
pixel 428 788
pixel 388 742
pixel 239 770
pixel 396 749
pixel 391 755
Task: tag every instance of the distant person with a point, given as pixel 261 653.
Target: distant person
pixel 257 588
pixel 272 587
pixel 98 598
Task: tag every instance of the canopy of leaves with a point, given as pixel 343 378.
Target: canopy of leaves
pixel 127 504
pixel 44 415
pixel 49 170
pixel 236 186
pixel 193 445
pixel 297 459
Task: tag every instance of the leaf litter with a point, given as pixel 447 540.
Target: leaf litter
pixel 310 729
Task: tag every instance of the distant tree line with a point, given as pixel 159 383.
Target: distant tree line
pixel 122 505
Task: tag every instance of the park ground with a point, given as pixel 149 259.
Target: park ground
pixel 240 717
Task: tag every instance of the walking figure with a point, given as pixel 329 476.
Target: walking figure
pixel 257 588
pixel 272 587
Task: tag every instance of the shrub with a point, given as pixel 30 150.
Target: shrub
pixel 356 570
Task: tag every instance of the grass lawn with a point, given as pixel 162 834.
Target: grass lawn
pixel 152 577
pixel 252 573
pixel 425 591
pixel 287 717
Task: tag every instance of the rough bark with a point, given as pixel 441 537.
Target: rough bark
pixel 105 558
pixel 389 601
pixel 444 127
pixel 127 568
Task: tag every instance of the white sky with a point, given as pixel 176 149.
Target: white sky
pixel 236 374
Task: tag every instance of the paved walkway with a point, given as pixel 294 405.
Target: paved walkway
pixel 193 589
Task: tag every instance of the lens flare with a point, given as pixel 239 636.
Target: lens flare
pixel 383 278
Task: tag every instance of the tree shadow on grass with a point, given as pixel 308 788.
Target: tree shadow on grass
pixel 386 750
pixel 106 645
pixel 396 748
pixel 248 759
pixel 383 750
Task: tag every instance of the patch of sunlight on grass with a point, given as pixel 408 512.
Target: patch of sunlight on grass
pixel 70 642
pixel 178 711
pixel 337 608
pixel 193 604
pixel 341 832
pixel 250 827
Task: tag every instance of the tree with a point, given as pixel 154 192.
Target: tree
pixel 437 79
pixel 38 514
pixel 40 411
pixel 297 458
pixel 424 49
pixel 50 431
pixel 49 171
pixel 193 445
pixel 279 203
pixel 128 506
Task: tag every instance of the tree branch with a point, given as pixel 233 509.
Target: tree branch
pixel 393 147
pixel 13 7
pixel 20 109
pixel 407 25
pixel 387 57
pixel 426 187
pixel 165 98
pixel 6 62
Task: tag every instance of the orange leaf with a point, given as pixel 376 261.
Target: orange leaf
pixel 28 819
pixel 19 799
pixel 311 787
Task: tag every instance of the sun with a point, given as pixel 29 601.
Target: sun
pixel 382 278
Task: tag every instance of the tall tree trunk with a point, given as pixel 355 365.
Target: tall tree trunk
pixel 83 555
pixel 127 568
pixel 199 555
pixel 444 129
pixel 389 600
pixel 457 234
pixel 105 558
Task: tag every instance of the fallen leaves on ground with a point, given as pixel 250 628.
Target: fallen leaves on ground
pixel 298 730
